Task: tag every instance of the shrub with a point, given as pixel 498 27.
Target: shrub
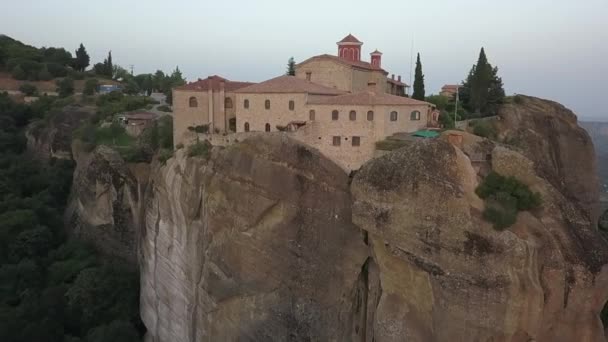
pixel 135 154
pixel 65 87
pixel 45 75
pixel 56 70
pixel 90 86
pixel 484 129
pixel 179 146
pixel 164 155
pixel 28 89
pixel 504 197
pixel 76 75
pixel 165 108
pixel 390 144
pixel 200 149
pixel 18 73
pixel 518 99
pixel 199 128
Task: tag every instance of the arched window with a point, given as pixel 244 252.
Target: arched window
pixel 370 115
pixel 192 102
pixel 415 115
pixel 267 127
pixel 267 104
pixel 352 115
pixel 292 105
pixel 246 126
pixel 228 103
pixel 246 104
pixel 311 115
pixel 393 116
pixel 335 114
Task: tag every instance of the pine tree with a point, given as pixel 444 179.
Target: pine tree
pixel 108 68
pixel 418 81
pixel 291 67
pixel 82 58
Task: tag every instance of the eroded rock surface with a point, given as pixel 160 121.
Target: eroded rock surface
pixel 255 244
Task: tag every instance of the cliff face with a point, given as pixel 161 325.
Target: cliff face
pixel 53 137
pixel 269 241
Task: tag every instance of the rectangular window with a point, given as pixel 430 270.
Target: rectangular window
pixel 356 141
pixel 337 141
pixel 308 76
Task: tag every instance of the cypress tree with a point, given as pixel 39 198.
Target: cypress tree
pixel 418 81
pixel 82 58
pixel 291 67
pixel 483 92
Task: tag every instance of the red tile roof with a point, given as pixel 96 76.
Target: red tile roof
pixel 289 84
pixel 376 52
pixel 396 82
pixel 213 82
pixel 451 87
pixel 349 39
pixel 367 98
pixel 355 64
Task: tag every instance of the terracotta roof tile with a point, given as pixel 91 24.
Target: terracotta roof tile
pixel 366 98
pixel 289 84
pixel 141 116
pixel 213 82
pixel 349 39
pixel 451 87
pixel 356 64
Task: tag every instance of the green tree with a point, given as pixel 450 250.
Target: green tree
pixel 45 75
pixel 418 81
pixel 131 87
pixel 82 59
pixel 18 73
pixel 28 89
pixel 482 91
pixel 65 87
pixel 291 67
pixel 109 67
pixel 90 86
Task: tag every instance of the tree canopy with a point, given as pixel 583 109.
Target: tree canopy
pixel 82 59
pixel 482 92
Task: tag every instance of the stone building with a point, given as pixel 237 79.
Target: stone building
pixel 449 90
pixel 208 102
pixel 344 126
pixel 338 104
pixel 348 72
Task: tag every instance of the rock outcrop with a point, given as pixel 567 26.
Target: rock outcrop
pixel 52 138
pixel 267 240
pixel 548 133
pixel 105 203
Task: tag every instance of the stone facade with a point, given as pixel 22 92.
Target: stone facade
pixel 304 106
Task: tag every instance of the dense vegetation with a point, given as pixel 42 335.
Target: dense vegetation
pixel 418 93
pixel 52 288
pixel 504 197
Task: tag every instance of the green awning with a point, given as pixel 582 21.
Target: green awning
pixel 426 134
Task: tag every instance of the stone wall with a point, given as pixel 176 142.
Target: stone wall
pixel 328 73
pixel 279 113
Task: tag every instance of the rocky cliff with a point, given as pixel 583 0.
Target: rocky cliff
pixel 267 240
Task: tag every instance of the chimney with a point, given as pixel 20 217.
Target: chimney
pixel 393 76
pixel 399 78
pixel 376 59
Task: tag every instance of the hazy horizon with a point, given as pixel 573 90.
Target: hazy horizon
pixel 551 49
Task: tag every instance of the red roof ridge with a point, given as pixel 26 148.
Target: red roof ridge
pixel 350 39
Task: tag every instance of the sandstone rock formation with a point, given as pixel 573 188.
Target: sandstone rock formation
pixel 267 240
pixel 53 137
pixel 104 206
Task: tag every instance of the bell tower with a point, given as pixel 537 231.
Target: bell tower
pixel 350 48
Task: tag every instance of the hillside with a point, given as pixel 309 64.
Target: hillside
pixel 599 134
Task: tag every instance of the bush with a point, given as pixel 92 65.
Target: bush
pixel 56 70
pixel 90 86
pixel 76 75
pixel 200 149
pixel 164 155
pixel 504 197
pixel 28 89
pixel 484 129
pixel 179 146
pixel 165 108
pixel 65 87
pixel 199 128
pixel 390 144
pixel 18 73
pixel 45 75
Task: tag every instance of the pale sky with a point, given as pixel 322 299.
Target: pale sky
pixel 556 49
